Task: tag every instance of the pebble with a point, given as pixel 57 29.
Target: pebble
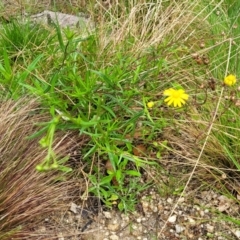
pixel 179 223
pixel 113 227
pixel 160 207
pixel 181 200
pixel 180 212
pixel 202 213
pixel 137 230
pixel 172 219
pixel 237 233
pixel 134 227
pixel 179 228
pixel 191 221
pixel 138 220
pixel 114 237
pixel 107 215
pixel 155 209
pixel 210 228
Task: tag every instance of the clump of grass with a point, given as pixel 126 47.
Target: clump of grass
pixel 26 196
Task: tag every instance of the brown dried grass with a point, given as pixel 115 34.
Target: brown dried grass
pixel 148 24
pixel 26 196
pixel 185 142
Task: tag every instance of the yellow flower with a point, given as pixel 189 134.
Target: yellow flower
pixel 230 80
pixel 150 104
pixel 175 97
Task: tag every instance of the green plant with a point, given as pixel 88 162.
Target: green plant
pixel 96 99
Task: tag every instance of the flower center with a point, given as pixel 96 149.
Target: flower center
pixel 176 94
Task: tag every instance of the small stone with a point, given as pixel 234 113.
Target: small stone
pixel 202 45
pixel 107 215
pixel 155 209
pixel 202 213
pixel 169 200
pixel 179 228
pixel 125 217
pixel 113 227
pixel 222 198
pixel 145 206
pixel 223 207
pixel 172 219
pixel 237 233
pixel 190 236
pixel 210 228
pixel 138 220
pixel 191 221
pixel 181 200
pixel 197 207
pixel 160 207
pixel 134 227
pixel 136 230
pixel 114 237
pixel 73 207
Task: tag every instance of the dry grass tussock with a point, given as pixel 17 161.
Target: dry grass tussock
pixel 148 24
pixel 26 196
pixel 186 141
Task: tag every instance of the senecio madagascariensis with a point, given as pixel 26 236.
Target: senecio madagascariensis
pixel 177 98
pixel 230 80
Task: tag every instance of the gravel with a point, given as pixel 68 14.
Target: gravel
pixel 194 218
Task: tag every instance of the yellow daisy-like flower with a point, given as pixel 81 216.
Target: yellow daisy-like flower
pixel 230 80
pixel 150 104
pixel 175 97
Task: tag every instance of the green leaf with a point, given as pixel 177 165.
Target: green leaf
pixel 30 68
pixel 119 175
pixel 121 206
pixel 106 180
pixel 133 173
pixel 113 197
pixel 64 169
